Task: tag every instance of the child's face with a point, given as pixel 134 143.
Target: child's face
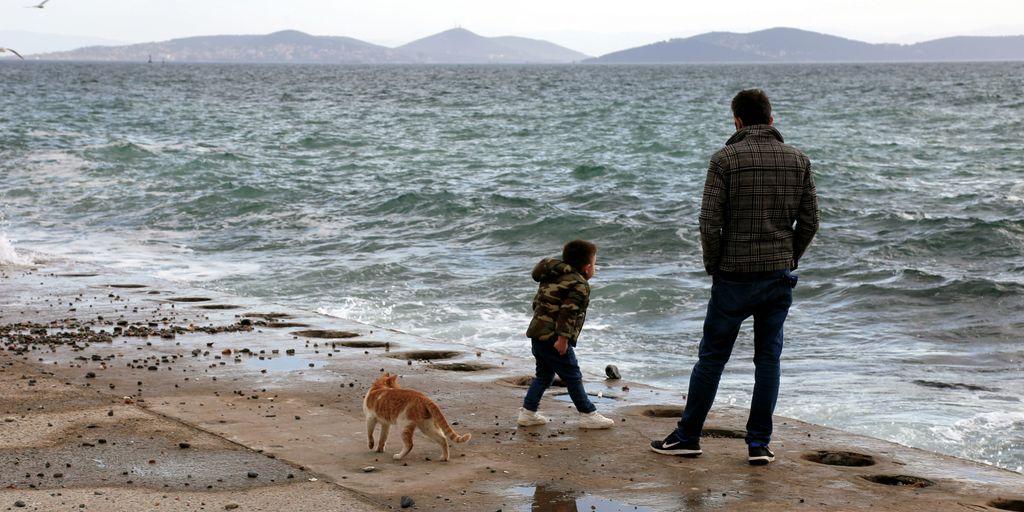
pixel 590 268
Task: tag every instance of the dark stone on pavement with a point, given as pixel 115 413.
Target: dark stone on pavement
pixel 612 372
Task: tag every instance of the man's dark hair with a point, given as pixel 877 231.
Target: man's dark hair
pixel 752 107
pixel 578 253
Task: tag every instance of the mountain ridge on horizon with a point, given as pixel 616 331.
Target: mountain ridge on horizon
pixel 453 46
pixel 461 46
pixel 784 44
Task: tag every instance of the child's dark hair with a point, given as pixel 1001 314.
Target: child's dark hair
pixel 578 253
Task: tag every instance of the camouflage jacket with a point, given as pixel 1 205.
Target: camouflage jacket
pixel 560 306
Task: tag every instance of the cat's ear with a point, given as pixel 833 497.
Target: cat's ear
pixel 393 380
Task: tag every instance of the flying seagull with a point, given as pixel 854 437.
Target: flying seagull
pixel 37 6
pixel 12 51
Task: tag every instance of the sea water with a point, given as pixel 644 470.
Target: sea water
pixel 419 197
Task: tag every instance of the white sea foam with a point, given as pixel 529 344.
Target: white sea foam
pixel 160 254
pixel 982 424
pixel 9 256
pixel 205 271
pixel 374 312
pixel 1016 194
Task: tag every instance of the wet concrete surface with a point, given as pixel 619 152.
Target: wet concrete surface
pixel 279 416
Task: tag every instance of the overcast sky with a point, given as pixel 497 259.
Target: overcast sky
pixel 594 27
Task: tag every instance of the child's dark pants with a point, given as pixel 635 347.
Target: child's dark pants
pixel 549 364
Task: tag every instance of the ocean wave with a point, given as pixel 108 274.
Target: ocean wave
pixel 370 311
pixel 587 172
pixel 988 436
pixel 920 288
pixel 123 151
pixel 10 257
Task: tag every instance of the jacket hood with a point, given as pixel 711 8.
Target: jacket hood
pixel 550 269
pixel 757 131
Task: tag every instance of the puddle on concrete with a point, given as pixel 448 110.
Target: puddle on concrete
pixel 189 299
pixel 1005 504
pixel 524 381
pixel 365 344
pixel 325 333
pixel 426 355
pixel 837 458
pixel 219 306
pixel 723 433
pixel 545 499
pixel 267 316
pixel 594 398
pixel 281 325
pixel 899 480
pixel 667 411
pixel 462 367
pixel 282 364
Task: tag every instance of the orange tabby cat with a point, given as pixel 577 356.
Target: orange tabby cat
pixel 388 404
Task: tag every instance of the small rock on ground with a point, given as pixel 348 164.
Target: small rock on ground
pixel 612 372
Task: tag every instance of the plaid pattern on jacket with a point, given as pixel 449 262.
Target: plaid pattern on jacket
pixel 759 210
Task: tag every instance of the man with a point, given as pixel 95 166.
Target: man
pixel 758 214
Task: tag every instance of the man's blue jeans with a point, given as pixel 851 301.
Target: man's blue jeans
pixel 735 297
pixel 549 364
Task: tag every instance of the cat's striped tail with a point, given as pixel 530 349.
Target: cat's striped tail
pixel 442 423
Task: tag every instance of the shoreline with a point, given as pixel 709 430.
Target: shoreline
pixel 206 370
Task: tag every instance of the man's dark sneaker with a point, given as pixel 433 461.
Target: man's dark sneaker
pixel 759 454
pixel 673 446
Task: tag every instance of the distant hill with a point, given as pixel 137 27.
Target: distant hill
pixel 794 45
pixel 288 46
pixel 460 46
pixel 972 48
pixel 457 46
pixel 36 42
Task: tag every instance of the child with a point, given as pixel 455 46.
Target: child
pixel 559 310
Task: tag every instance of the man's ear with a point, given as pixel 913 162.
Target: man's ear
pixel 738 122
pixel 771 120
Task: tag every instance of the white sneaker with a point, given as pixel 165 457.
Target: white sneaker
pixel 595 420
pixel 528 418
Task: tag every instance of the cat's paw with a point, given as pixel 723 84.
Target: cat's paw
pixel 398 456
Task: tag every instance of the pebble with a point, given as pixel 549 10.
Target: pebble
pixel 407 502
pixel 253 474
pixel 369 469
pixel 19 503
